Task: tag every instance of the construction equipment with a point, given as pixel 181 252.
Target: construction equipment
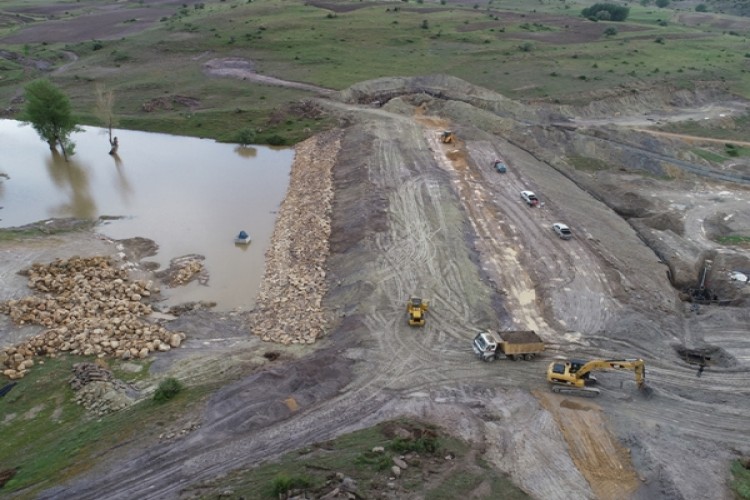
pixel 507 345
pixel 416 309
pixel 447 137
pixel 574 376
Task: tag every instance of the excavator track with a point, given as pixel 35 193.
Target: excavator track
pixel 586 392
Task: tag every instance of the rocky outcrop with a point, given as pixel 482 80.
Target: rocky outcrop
pixel 90 308
pixel 97 390
pixel 288 309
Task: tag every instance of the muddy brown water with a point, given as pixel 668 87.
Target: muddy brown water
pixel 191 196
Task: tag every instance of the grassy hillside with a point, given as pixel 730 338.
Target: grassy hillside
pixel 521 49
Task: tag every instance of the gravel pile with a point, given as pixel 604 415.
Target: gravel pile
pixel 288 309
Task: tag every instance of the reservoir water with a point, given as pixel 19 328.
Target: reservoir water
pixel 191 196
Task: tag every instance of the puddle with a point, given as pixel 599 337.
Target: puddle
pixel 191 196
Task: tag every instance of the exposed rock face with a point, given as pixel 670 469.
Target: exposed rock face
pixel 89 307
pixel 288 309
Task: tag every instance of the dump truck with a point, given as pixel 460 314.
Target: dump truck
pixel 514 345
pixel 416 309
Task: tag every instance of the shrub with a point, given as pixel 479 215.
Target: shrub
pixel 168 388
pixel 526 47
pixel 244 136
pixel 426 444
pixel 701 8
pixel 662 3
pixel 615 12
pixel 283 483
pixel 611 31
pixel 276 140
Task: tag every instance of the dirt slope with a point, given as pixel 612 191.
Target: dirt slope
pixel 414 216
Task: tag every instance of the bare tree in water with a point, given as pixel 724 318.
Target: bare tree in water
pixel 105 103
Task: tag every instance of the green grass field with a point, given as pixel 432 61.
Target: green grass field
pixel 49 438
pixel 521 50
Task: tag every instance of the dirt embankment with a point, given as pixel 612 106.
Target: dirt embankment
pixel 289 305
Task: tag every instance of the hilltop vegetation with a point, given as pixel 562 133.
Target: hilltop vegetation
pixel 152 56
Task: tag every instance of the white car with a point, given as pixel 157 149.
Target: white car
pixel 530 198
pixel 562 230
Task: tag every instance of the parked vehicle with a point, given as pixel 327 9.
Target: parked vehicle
pixel 507 345
pixel 530 198
pixel 500 166
pixel 562 230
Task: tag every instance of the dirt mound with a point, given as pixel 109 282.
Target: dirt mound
pixel 643 100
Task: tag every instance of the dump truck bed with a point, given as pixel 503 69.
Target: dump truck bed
pixel 520 342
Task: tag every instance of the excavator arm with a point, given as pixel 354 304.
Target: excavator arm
pixel 636 365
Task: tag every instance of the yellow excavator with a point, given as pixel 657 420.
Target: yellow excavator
pixel 447 137
pixel 574 376
pixel 416 309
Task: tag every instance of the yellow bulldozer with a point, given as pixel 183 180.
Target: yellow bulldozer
pixel 416 309
pixel 447 137
pixel 574 376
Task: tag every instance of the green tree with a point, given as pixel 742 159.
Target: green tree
pixel 48 111
pixel 613 12
pixel 662 3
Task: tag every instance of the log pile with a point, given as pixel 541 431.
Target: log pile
pixel 88 307
pixel 289 306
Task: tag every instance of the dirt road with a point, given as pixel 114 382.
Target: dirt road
pixel 414 216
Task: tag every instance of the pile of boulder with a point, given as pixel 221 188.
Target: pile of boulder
pixel 88 307
pixel 182 270
pixel 289 306
pixel 98 390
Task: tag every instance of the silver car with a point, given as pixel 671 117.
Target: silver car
pixel 562 230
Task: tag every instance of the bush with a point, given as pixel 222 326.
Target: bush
pixel 611 31
pixel 426 444
pixel 615 12
pixel 276 140
pixel 168 388
pixel 244 136
pixel 662 3
pixel 701 8
pixel 283 483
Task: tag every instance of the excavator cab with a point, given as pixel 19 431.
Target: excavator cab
pixel 416 309
pixel 447 137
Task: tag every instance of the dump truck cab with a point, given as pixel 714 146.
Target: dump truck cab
pixel 485 346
